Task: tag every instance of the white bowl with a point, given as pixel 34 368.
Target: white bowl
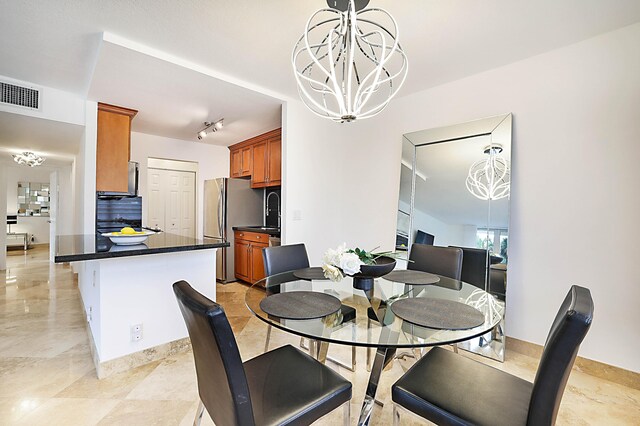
pixel 127 240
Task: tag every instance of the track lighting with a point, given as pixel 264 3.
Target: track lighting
pixel 210 127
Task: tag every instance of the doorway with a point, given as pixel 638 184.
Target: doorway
pixel 172 201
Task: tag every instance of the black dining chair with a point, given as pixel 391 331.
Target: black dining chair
pixel 439 386
pixel 281 387
pixel 287 258
pixel 446 261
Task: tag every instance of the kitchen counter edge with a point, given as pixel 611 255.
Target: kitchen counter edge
pixel 78 257
pixel 271 232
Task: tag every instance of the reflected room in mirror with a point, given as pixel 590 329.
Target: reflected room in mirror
pixel 455 192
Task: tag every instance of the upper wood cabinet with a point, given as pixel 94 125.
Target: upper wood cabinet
pixel 241 161
pixel 113 148
pixel 259 157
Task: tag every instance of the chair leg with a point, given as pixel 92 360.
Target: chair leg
pixel 347 413
pixel 353 358
pixel 396 415
pixel 353 350
pixel 368 348
pixel 266 342
pixel 199 413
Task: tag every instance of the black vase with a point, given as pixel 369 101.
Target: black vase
pixel 364 279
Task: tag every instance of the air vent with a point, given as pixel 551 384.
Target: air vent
pixel 19 95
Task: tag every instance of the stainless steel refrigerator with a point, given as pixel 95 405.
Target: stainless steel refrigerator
pixel 227 203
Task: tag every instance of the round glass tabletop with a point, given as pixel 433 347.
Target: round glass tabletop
pixel 365 317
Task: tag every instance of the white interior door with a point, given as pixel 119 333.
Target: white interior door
pixel 172 197
pixel 155 211
pixel 187 204
pixel 172 201
pixel 53 213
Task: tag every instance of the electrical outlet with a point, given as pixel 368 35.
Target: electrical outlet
pixel 136 332
pixel 90 314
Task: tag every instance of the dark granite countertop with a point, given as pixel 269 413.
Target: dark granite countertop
pixel 259 229
pixel 74 248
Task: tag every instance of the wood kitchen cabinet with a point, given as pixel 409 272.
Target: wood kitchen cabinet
pixel 113 148
pixel 248 246
pixel 241 161
pixel 259 157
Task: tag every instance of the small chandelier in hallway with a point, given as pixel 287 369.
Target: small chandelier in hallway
pixel 28 159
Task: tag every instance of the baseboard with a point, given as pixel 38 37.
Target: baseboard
pixel 136 359
pixel 594 368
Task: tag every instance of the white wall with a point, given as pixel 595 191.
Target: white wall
pixel 213 162
pixel 575 201
pixel 335 183
pixel 38 227
pixel 84 171
pixel 3 229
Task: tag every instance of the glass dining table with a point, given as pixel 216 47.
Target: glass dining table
pixel 375 324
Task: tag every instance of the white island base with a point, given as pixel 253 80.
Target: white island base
pixel 119 294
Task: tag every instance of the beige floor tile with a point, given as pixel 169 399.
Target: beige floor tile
pixel 117 386
pixel 68 412
pixel 174 379
pixel 131 412
pixel 13 409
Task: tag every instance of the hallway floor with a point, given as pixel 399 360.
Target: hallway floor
pixel 47 376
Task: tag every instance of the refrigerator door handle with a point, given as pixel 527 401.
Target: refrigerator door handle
pixel 221 198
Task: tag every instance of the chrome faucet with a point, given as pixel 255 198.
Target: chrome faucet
pixel 278 205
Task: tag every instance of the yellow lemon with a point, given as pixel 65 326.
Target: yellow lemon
pixel 128 231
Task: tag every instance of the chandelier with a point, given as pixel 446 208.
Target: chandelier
pixel 348 63
pixel 28 159
pixel 490 178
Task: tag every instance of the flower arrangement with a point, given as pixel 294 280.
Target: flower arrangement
pixel 341 261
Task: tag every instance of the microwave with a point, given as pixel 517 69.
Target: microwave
pixel 132 191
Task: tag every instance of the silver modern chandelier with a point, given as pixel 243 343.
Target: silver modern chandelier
pixel 348 63
pixel 490 178
pixel 28 159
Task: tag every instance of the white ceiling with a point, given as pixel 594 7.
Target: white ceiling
pixel 55 42
pixel 58 43
pixel 57 142
pixel 174 101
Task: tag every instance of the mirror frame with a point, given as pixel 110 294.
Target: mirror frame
pixel 499 128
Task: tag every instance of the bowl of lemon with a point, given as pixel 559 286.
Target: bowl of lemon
pixel 128 236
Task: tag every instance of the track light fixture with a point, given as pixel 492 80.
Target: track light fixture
pixel 210 127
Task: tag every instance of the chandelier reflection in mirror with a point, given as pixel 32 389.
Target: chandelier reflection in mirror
pixel 490 178
pixel 348 63
pixel 28 159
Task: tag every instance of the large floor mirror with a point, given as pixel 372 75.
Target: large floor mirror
pixel 455 191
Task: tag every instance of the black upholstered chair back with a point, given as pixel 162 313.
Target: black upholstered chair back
pixel 566 334
pixel 446 261
pixel 475 265
pixel 284 258
pixel 222 383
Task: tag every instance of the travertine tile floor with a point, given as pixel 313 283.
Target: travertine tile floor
pixel 47 377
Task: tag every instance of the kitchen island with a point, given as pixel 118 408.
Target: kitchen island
pixel 132 314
